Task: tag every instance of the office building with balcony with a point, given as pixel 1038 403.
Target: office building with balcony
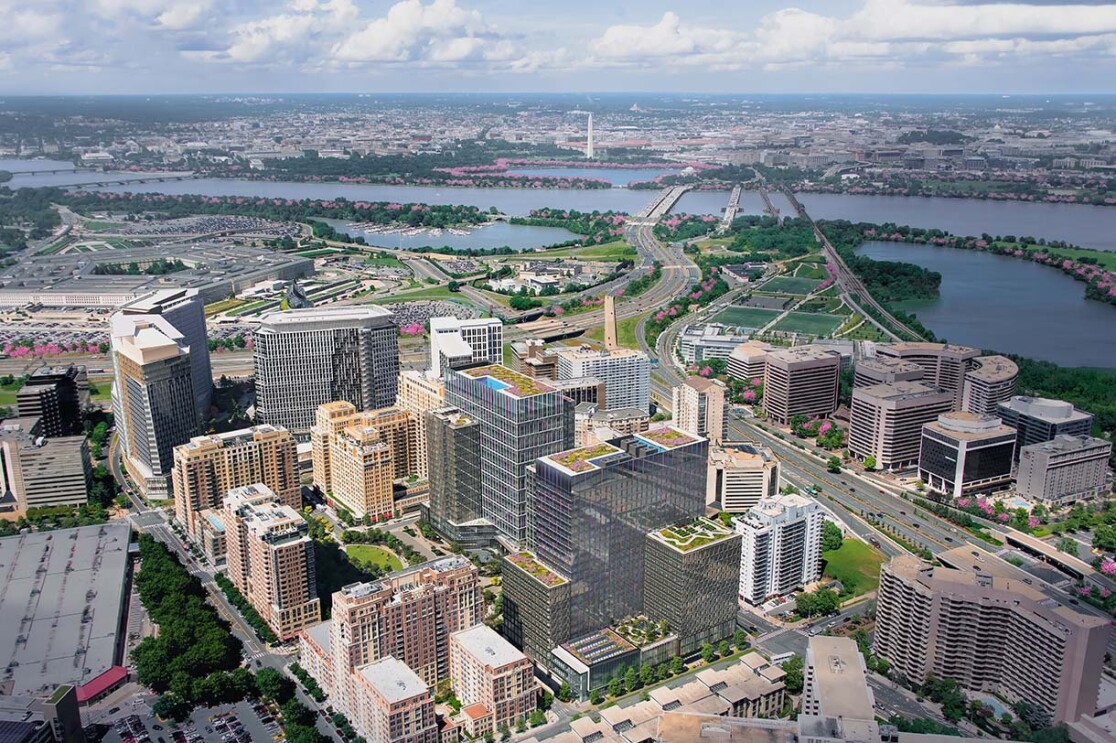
pixel 739 476
pixel 38 472
pixel 520 420
pixel 56 395
pixel 271 559
pixel 393 705
pixel 944 365
pixel 626 373
pixel 154 408
pixel 749 360
pixel 1065 470
pixel 698 405
pixel 887 419
pixel 780 551
pixel 487 670
pixel 306 358
pixel 964 453
pixel 691 579
pixel 456 509
pixel 802 380
pixel 456 343
pixel 989 382
pixel 990 630
pixel 1039 419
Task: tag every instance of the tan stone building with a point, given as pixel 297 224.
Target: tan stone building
pixel 487 669
pixel 393 705
pixel 420 393
pixel 887 420
pixel 800 381
pixel 698 405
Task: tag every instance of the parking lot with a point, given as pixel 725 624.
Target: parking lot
pixel 244 722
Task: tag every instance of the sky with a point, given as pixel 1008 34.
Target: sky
pixel 709 46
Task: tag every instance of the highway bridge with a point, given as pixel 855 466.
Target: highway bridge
pixel 731 209
pixel 132 181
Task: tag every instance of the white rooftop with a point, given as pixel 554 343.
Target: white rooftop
pixel 393 679
pixel 487 646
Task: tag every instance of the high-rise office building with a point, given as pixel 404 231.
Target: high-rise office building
pixel 455 343
pixel 781 547
pixel 393 705
pixel 989 382
pixel 271 559
pixel 206 468
pixel 885 370
pixel 965 453
pixel 38 471
pixel 306 358
pixel 698 405
pixel 739 476
pixel 408 614
pixel 1038 419
pixel 991 631
pixel 802 380
pixel 749 360
pixel 152 398
pixel 691 578
pixel 486 669
pixel 521 419
pixel 887 419
pixel 183 309
pixel 593 507
pixel 419 393
pixel 1065 470
pixel 54 395
pixel 626 373
pixel 456 510
pixel 944 365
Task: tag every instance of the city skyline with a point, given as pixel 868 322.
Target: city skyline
pixel 877 46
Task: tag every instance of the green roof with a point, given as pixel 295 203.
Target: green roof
pixel 699 533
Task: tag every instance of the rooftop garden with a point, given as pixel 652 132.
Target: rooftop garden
pixel 640 630
pixel 668 438
pixel 526 562
pixel 578 460
pixel 519 385
pixel 691 536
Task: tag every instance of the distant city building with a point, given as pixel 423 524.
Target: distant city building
pixel 271 559
pixel 626 373
pixel 887 419
pixel 1038 419
pixel 802 380
pixel 521 419
pixel 456 506
pixel 455 343
pixel 393 705
pixel 56 396
pixel 185 310
pixel 781 547
pixel 885 370
pixel 152 398
pixel 749 360
pixel 739 476
pixel 206 468
pixel 989 382
pixel 691 577
pixel 965 453
pixel 593 507
pixel 991 632
pixel 39 472
pixel 1065 470
pixel 699 408
pixel 487 670
pixel 944 365
pixel 306 358
pixel 420 393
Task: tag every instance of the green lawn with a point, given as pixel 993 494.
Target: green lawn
pixel 791 285
pixel 103 393
pixel 216 308
pixel 432 292
pixel 377 555
pixel 1105 258
pixel 7 398
pixel 810 322
pixel 384 260
pixel 809 271
pixel 856 565
pixel 613 251
pixel 625 332
pixel 747 317
pixel 509 359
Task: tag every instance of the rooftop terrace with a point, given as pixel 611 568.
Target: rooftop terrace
pixel 503 379
pixel 699 533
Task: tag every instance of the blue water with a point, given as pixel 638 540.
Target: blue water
pixel 495 384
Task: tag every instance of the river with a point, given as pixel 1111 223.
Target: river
pixel 1009 305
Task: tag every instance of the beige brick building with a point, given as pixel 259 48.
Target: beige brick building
pixel 487 669
pixel 419 394
pixel 393 705
pixel 800 381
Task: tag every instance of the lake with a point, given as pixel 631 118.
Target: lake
pixel 494 235
pixel 1009 305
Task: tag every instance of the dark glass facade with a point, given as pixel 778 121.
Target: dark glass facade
pixel 454 451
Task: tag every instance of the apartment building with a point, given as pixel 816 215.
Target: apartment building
pixel 419 393
pixel 780 550
pixel 749 360
pixel 802 380
pixel 698 405
pixel 487 670
pixel 271 559
pixel 965 453
pixel 594 425
pixel 206 468
pixel 944 365
pixel 393 705
pixel 989 382
pixel 533 359
pixel 306 358
pixel 1065 470
pixel 887 419
pixel 991 628
pixel 739 476
pixel 1039 419
pixel 56 395
pixel 39 472
pixel 626 373
pixel 456 343
pixel 152 398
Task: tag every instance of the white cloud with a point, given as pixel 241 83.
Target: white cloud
pixel 24 25
pixel 172 15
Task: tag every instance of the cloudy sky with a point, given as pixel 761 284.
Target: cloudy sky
pixel 150 46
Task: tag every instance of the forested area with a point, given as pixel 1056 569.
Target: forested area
pixel 26 213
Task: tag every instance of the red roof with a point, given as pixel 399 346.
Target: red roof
pixel 476 711
pixel 101 684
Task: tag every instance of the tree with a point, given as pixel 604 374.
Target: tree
pixel 546 700
pixel 740 639
pixel 793 680
pixel 869 462
pixel 819 602
pixel 595 696
pixel 708 654
pixel 536 718
pixel 834 464
pixel 631 679
pixel 520 725
pixel 505 731
pixel 832 536
pixel 169 707
pixel 454 286
pixel 564 694
pixel 1068 546
pixel 662 673
pixel 677 665
pixel 273 685
pixel 723 648
pixel 647 675
pixel 614 687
